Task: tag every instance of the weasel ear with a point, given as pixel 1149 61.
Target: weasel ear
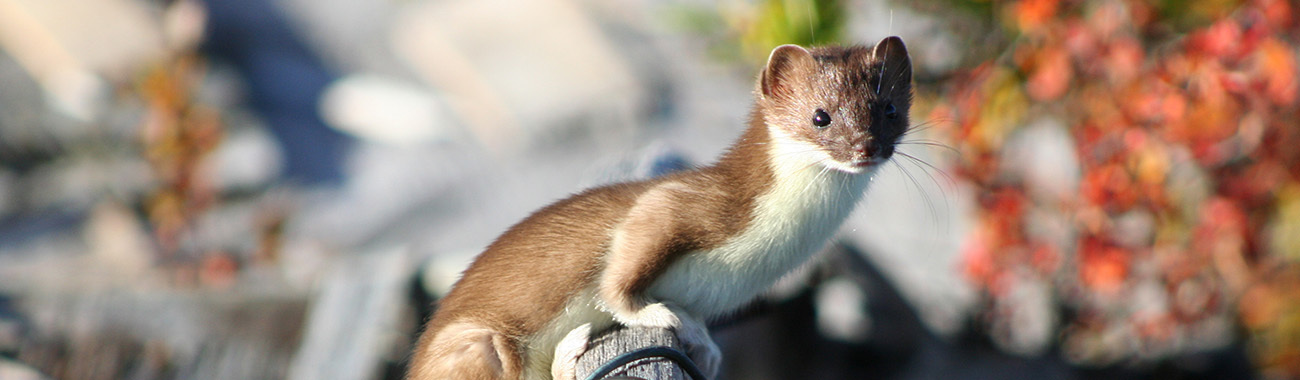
pixel 892 55
pixel 783 65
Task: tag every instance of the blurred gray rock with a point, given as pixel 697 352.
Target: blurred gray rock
pixel 355 320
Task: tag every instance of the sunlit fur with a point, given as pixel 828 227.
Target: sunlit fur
pixel 804 207
pixel 688 246
pixel 809 199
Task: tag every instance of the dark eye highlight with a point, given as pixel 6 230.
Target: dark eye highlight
pixel 821 119
pixel 890 111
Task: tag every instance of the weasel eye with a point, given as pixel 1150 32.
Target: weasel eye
pixel 821 119
pixel 891 112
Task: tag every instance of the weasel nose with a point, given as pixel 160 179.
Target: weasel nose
pixel 867 149
pixel 884 151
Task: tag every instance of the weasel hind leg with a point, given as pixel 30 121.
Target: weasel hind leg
pixel 466 351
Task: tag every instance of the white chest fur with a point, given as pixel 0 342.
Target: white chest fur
pixel 806 205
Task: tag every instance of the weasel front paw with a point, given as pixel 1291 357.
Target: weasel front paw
pixel 692 333
pixel 565 364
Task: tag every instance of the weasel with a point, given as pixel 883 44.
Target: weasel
pixel 683 248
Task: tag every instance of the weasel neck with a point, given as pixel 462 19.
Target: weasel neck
pixel 750 153
pixel 798 207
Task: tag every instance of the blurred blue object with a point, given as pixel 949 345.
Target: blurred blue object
pixel 285 81
pixel 668 163
pixel 13 327
pixel 19 229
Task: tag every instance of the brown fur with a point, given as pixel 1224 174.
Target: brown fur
pixel 623 236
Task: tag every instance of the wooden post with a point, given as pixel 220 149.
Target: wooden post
pixel 607 345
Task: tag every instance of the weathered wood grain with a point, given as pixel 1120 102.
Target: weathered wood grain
pixel 613 342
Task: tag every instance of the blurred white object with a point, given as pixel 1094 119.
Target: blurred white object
pixel 514 70
pixel 183 23
pixel 246 159
pixel 842 311
pixel 119 244
pixel 383 110
pixel 1043 154
pixel 67 44
pixel 75 93
pixel 12 370
pixel 1031 320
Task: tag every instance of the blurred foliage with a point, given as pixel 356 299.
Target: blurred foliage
pixel 801 22
pixel 746 32
pixel 1186 216
pixel 1180 225
pixel 177 134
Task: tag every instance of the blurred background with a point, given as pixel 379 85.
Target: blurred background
pixel 271 189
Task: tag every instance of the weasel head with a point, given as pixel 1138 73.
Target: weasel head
pixel 841 107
